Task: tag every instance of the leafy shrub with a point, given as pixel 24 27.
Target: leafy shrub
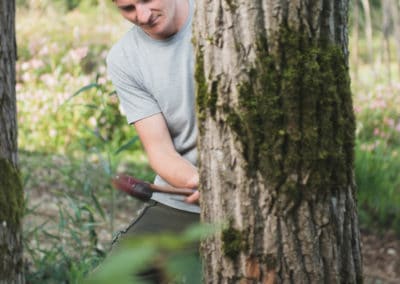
pixel 71 136
pixel 379 187
pixel 169 251
pixel 52 66
pixel 64 5
pixel 62 226
pixel 378 115
pixel 377 157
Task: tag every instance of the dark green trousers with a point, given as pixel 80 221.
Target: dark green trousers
pixel 156 218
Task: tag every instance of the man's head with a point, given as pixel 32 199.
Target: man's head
pixel 160 19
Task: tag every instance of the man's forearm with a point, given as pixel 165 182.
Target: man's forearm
pixel 175 170
pixel 163 157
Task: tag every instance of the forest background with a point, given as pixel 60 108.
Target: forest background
pixel 73 139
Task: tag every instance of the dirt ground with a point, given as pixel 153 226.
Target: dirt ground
pixel 381 257
pixel 381 252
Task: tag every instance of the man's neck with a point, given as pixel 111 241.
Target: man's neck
pixel 182 13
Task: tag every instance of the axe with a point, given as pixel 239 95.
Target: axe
pixel 144 190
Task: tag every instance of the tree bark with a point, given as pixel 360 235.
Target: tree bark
pixel 276 142
pixel 11 195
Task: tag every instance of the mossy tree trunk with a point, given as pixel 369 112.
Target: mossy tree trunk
pixel 276 141
pixel 11 195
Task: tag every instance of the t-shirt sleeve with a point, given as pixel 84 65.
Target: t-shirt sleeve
pixel 136 102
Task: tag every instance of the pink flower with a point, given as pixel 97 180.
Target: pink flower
pixel 53 132
pixel 376 131
pixel 26 77
pixel 102 80
pixel 49 80
pixel 44 51
pixel 25 66
pixel 389 121
pixel 378 104
pixel 79 53
pixel 357 109
pixel 36 63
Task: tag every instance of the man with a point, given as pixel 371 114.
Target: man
pixel 151 67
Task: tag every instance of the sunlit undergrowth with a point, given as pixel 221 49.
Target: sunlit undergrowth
pixel 72 140
pixel 58 55
pixel 70 214
pixel 376 89
pixel 69 140
pixel 378 157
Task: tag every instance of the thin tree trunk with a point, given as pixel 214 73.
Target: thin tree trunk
pixel 396 23
pixel 386 27
pixel 356 37
pixel 368 30
pixel 276 142
pixel 11 199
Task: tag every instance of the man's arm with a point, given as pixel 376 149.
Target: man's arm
pixel 163 158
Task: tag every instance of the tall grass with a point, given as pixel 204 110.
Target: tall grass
pixel 377 156
pixel 379 185
pixel 70 216
pixel 71 137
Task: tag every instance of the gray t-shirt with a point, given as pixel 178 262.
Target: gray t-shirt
pixel 156 76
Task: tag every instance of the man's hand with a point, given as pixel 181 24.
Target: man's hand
pixel 194 198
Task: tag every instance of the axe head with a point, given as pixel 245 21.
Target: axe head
pixel 132 186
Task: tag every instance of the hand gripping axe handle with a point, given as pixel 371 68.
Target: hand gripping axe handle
pixel 144 190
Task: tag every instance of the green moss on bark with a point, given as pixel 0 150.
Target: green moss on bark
pixel 232 5
pixel 295 116
pixel 201 86
pixel 206 99
pixel 296 113
pixel 233 242
pixel 11 195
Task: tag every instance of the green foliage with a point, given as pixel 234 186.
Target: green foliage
pixel 68 228
pixel 64 5
pixel 61 59
pixel 61 239
pixel 378 116
pixel 377 157
pixel 176 254
pixel 68 4
pixel 22 3
pixel 379 187
pixel 93 111
pixel 72 139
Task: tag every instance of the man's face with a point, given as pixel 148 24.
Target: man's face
pixel 158 18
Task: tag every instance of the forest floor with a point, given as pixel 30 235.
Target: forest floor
pixel 47 204
pixel 381 257
pixel 381 251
